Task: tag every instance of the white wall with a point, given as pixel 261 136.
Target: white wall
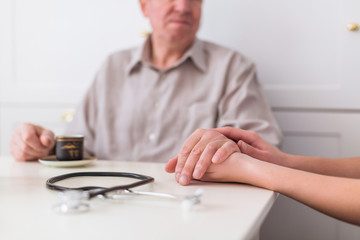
pixel 307 62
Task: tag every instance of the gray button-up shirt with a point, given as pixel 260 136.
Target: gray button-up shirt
pixel 136 112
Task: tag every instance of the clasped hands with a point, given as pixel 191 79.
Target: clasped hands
pixel 221 154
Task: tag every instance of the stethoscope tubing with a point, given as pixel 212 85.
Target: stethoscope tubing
pixel 143 179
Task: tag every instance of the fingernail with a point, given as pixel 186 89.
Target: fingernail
pixel 177 175
pixel 196 173
pixel 183 180
pixel 243 146
pixel 215 159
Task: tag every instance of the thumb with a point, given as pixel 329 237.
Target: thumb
pixel 170 166
pixel 47 138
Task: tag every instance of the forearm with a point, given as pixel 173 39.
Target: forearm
pixel 334 196
pixel 340 167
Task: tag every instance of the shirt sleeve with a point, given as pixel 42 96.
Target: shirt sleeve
pixel 244 105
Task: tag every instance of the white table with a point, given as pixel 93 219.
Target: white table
pixel 228 211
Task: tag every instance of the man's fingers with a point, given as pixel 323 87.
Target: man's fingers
pixel 24 146
pixel 216 152
pixel 190 163
pixel 39 139
pixel 21 151
pixel 205 160
pixel 197 154
pixel 30 136
pixel 47 139
pixel 201 155
pixel 30 142
pixel 186 150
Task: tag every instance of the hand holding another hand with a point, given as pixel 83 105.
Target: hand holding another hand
pixel 199 151
pixel 205 149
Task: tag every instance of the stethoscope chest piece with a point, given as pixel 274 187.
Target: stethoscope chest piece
pixel 72 202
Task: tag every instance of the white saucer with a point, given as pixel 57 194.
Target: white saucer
pixel 51 161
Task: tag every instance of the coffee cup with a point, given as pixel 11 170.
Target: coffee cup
pixel 69 147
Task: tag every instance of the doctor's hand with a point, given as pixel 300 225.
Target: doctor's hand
pixel 201 149
pixel 243 168
pixel 30 142
pixel 237 167
pixel 250 143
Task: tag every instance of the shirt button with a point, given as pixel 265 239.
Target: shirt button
pixel 152 136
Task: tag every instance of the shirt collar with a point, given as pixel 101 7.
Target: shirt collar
pixel 137 56
pixel 196 53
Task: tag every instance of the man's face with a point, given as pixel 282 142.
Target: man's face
pixel 173 20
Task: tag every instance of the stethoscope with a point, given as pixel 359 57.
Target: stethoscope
pixel 74 199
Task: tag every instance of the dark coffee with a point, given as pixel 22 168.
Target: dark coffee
pixel 69 147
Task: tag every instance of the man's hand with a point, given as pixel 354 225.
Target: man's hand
pixel 201 149
pixel 30 142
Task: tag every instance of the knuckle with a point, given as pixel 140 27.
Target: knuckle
pixel 211 147
pixel 49 133
pixel 228 148
pixel 178 169
pixel 231 145
pixel 211 134
pixel 186 169
pixel 199 131
pixel 196 151
pixel 27 137
pixel 200 166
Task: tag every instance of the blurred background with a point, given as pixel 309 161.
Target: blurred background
pixel 307 55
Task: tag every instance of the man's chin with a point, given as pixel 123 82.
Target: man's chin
pixel 181 36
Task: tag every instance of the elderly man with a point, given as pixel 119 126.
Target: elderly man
pixel 146 101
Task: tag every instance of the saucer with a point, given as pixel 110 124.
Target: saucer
pixel 51 161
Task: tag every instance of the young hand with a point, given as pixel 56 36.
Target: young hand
pixel 250 143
